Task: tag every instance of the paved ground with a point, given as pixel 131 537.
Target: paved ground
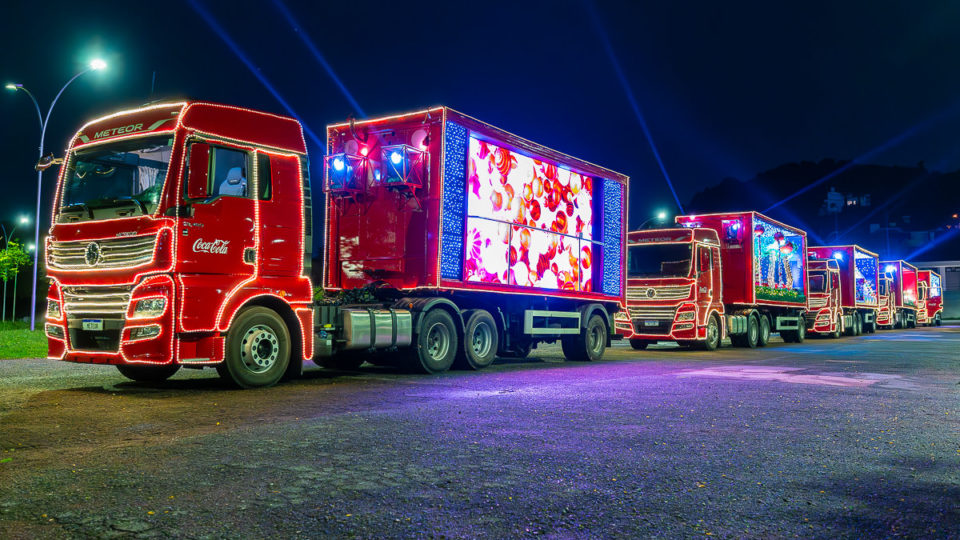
pixel 857 437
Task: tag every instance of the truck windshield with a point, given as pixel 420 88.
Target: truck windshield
pixel 122 178
pixel 659 260
pixel 818 282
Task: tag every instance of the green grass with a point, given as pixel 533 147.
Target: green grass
pixel 17 341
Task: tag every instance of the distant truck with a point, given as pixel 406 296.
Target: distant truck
pixel 930 302
pixel 739 274
pixel 899 284
pixel 859 281
pixel 825 311
pixel 182 237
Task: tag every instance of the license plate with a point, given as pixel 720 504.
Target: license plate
pixel 93 324
pixel 651 323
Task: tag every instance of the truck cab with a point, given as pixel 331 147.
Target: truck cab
pixel 825 314
pixel 887 312
pixel 930 298
pixel 181 238
pixel 674 288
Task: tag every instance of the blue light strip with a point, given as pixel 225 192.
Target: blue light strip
pixel 454 201
pixel 612 236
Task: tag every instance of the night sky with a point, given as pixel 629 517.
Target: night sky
pixel 726 89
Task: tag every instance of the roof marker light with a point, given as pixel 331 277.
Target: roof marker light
pixel 890 269
pixel 396 158
pixel 338 163
pixel 838 255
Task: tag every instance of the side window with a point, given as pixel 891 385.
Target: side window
pixel 704 258
pixel 229 172
pixel 264 176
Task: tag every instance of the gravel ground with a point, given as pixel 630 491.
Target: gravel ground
pixel 857 437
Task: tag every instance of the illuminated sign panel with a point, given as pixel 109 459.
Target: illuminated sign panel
pixel 529 223
pixel 778 255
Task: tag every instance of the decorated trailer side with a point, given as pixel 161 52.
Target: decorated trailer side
pixel 739 274
pixel 899 285
pixel 473 243
pixel 858 271
pixel 930 301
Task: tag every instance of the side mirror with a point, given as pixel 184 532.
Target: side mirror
pixel 198 171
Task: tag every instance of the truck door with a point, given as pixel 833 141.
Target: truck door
pixel 705 282
pixel 216 243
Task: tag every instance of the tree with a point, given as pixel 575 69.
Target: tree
pixel 12 258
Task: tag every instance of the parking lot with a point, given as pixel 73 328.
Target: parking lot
pixel 855 437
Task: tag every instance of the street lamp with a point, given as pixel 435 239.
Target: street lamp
pixel 6 243
pixel 660 217
pixel 95 65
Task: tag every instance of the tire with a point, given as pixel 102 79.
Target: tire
pixel 857 324
pixel 589 344
pixel 712 342
pixel 148 373
pixel 480 341
pixel 639 344
pixel 752 337
pixel 257 349
pixel 801 334
pixel 764 336
pixel 937 321
pixel 435 347
pixel 838 328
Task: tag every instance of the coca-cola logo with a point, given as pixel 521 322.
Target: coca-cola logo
pixel 216 247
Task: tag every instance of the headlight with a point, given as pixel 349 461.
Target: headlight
pixel 54 331
pixel 686 316
pixel 53 309
pixel 149 307
pixel 144 332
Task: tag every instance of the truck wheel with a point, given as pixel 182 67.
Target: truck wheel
pixel 589 344
pixel 480 341
pixel 838 327
pixel 639 344
pixel 936 320
pixel 752 336
pixel 257 349
pixel 436 344
pixel 801 334
pixel 764 337
pixel 713 335
pixel 857 324
pixel 148 373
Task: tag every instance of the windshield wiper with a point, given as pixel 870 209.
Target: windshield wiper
pixel 78 207
pixel 126 200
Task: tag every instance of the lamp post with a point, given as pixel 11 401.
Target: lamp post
pixel 660 217
pixel 6 243
pixel 44 122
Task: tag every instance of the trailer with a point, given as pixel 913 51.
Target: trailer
pixel 859 282
pixel 182 237
pixel 738 274
pixel 898 284
pixel 930 301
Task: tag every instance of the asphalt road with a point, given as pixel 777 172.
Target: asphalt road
pixel 856 437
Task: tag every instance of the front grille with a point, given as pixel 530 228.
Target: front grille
pixel 672 292
pixel 817 303
pixel 652 312
pixel 114 252
pixel 98 302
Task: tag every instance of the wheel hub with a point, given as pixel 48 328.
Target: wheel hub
pixel 259 348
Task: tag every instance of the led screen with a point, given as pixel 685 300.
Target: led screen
pixel 778 263
pixel 529 223
pixel 934 286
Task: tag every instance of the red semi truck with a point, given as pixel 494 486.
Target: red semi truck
pixel 859 282
pixel 898 283
pixel 930 301
pixel 182 236
pixel 740 274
